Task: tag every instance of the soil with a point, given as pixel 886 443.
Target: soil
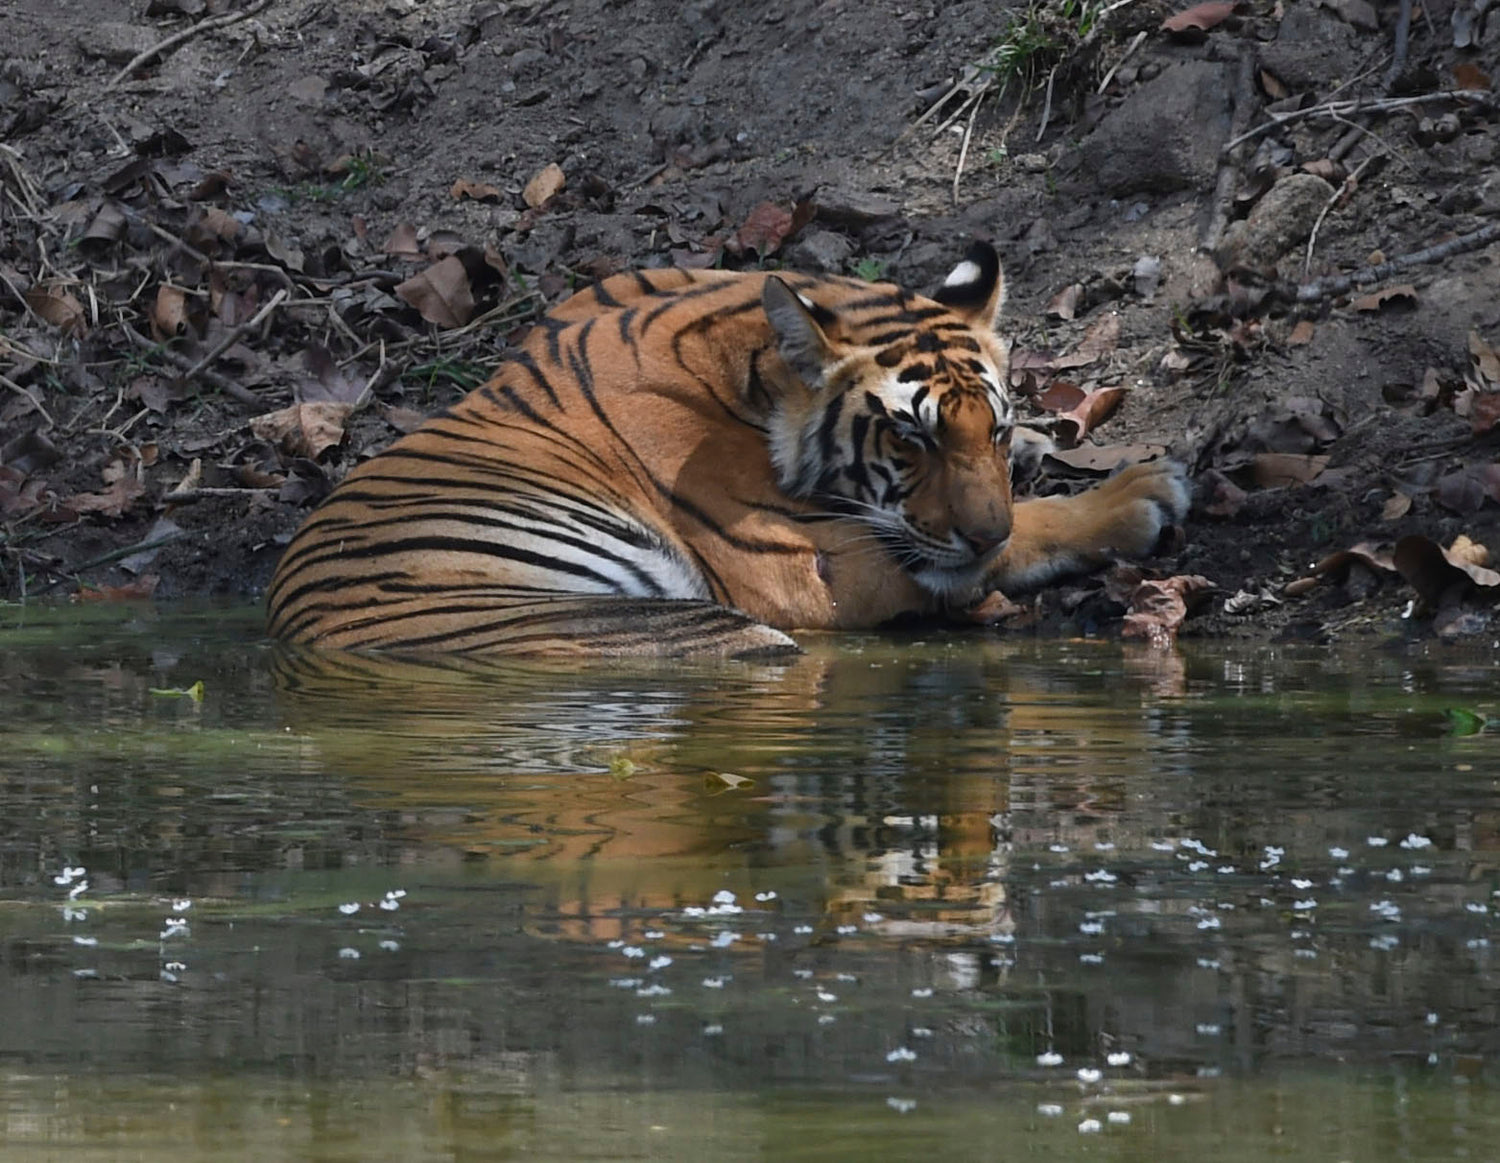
pixel 385 167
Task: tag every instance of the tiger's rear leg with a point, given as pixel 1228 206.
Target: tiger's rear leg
pixel 561 627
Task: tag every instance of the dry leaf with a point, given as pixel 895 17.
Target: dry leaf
pixel 545 183
pixel 304 429
pixel 1273 470
pixel 1461 492
pixel 1273 86
pixel 332 382
pixel 484 192
pixel 1470 76
pixel 1106 458
pixel 440 293
pixel 993 609
pixel 1302 333
pixel 767 226
pixel 1433 571
pixel 1192 24
pixel 403 243
pixel 136 591
pixel 1483 361
pixel 1064 304
pixel 55 305
pixel 1403 294
pixel 1483 410
pixel 1466 551
pixel 1225 498
pixel 1396 507
pixel 124 488
pixel 1159 607
pixel 169 314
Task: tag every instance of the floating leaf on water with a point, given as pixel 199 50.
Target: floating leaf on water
pixel 726 781
pixel 621 767
pixel 1462 721
pixel 194 692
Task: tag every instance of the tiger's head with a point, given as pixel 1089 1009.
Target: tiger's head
pixel 896 411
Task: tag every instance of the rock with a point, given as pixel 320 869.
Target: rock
pixel 1282 219
pixel 116 43
pixel 852 209
pixel 1165 136
pixel 820 250
pixel 1310 47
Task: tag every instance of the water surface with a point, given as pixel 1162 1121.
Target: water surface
pixel 962 895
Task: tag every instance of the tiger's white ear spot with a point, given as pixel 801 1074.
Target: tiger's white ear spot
pixel 805 301
pixel 964 273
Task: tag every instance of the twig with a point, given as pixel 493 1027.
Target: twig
pixel 1403 36
pixel 1229 161
pixel 235 333
pixel 112 555
pixel 1346 108
pixel 11 384
pixel 177 38
pixel 1140 39
pixel 1346 187
pixel 226 385
pixel 963 151
pixel 1338 284
pixel 188 496
pixel 1047 104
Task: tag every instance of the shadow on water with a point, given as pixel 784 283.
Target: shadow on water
pixel 892 897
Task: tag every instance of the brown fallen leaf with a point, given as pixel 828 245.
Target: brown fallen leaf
pixel 1081 415
pixel 403 420
pixel 108 225
pixel 1064 304
pixel 1192 24
pixel 332 382
pixel 545 183
pixel 1396 506
pixel 1463 491
pixel 1106 458
pixel 1484 363
pixel 484 192
pixel 114 501
pixel 767 226
pixel 1302 334
pixel 1435 572
pixel 1158 607
pixel 440 293
pixel 1274 470
pixel 1367 553
pixel 1483 410
pixel 1275 88
pixel 134 591
pixel 55 305
pixel 169 313
pixel 993 609
pixel 304 429
pixel 1359 13
pixel 1470 76
pixel 1403 294
pixel 403 243
pixel 1101 339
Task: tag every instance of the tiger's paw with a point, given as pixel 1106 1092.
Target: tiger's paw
pixel 1137 505
pixel 1125 516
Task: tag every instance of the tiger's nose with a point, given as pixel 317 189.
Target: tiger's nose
pixel 983 541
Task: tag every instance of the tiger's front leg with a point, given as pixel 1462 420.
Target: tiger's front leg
pixel 1123 517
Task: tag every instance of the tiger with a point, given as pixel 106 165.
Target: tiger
pixel 703 462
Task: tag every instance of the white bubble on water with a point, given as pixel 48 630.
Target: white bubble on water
pixel 1376 841
pixel 1416 843
pixel 902 1106
pixel 349 908
pixel 1119 1058
pixel 1090 1127
pixel 1118 1118
pixel 1088 1075
pixel 1049 1058
pixel 1049 1110
pixel 901 1054
pixel 349 954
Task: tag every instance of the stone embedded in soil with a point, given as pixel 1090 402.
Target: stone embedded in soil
pixel 1165 136
pixel 1282 219
pixel 820 250
pixel 1310 48
pixel 114 42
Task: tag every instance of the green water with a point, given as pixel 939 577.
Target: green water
pixel 885 902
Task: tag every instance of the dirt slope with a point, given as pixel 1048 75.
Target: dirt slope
pixel 311 149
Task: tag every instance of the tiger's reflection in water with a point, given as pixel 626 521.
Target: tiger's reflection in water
pixel 877 775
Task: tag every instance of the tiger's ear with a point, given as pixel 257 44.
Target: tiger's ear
pixel 975 288
pixel 799 338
